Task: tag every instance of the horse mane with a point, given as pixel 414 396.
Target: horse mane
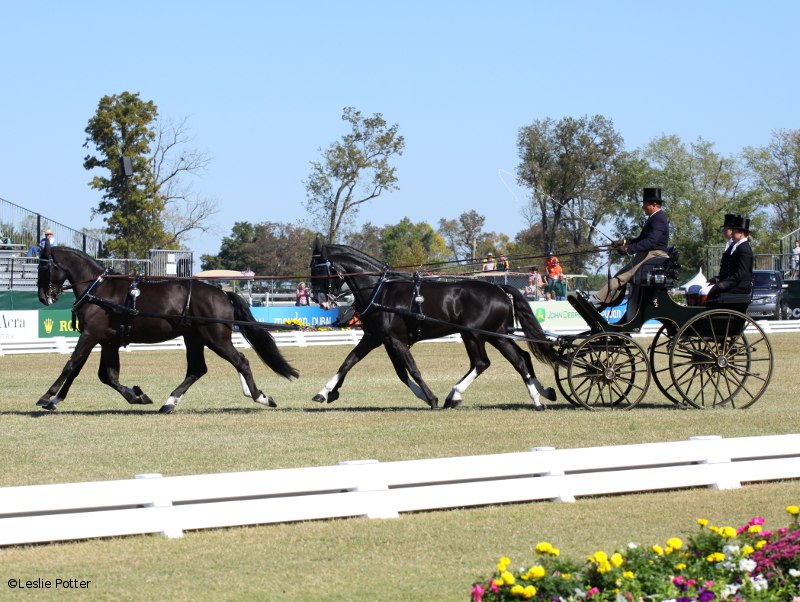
pixel 84 256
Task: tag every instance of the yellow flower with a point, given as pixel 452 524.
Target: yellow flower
pixel 555 552
pixel 566 576
pixel 599 557
pixel 529 592
pixel 702 522
pixel 517 591
pixel 754 529
pixel 674 543
pixel 747 550
pixel 629 575
pixel 716 557
pixel 616 559
pixel 536 572
pixel 603 567
pixel 508 578
pixel 761 543
pixel 793 510
pixel 728 532
pixel 502 564
pixel 680 566
pixel 544 547
pixel 658 550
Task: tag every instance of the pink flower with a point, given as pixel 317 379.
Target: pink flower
pixel 477 593
pixel 592 592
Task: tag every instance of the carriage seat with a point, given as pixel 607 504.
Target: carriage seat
pixel 660 270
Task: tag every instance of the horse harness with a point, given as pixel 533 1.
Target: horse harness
pixel 126 310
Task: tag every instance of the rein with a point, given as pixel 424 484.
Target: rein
pixel 423 318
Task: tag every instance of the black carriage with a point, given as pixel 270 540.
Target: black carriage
pixel 700 356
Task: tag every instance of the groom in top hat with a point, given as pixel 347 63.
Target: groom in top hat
pixel 651 242
pixel 736 269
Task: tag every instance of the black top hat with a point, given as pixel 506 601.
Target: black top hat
pixel 741 223
pixel 729 218
pixel 652 195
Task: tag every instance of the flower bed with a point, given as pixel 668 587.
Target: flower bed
pixel 717 563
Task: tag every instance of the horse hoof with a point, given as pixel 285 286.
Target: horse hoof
pixel 540 408
pixel 266 401
pixel 333 396
pixel 549 393
pixel 167 408
pixel 450 403
pixel 50 407
pixel 42 402
pixel 141 396
pixel 318 398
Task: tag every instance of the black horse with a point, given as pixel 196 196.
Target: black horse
pixel 114 310
pixel 397 310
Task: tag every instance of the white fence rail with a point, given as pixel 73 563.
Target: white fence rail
pixel 302 338
pixel 169 505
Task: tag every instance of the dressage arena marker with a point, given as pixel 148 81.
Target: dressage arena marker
pixel 151 503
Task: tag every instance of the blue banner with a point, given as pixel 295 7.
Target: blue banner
pixel 311 315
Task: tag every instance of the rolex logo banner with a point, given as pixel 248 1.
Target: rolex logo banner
pixel 56 323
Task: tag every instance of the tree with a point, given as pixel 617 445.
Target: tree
pixel 353 171
pixel 153 208
pixel 463 235
pixel 267 248
pixel 172 160
pixel 122 127
pixel 367 239
pixel 698 186
pixel 776 170
pixel 232 255
pixel 407 245
pixel 571 168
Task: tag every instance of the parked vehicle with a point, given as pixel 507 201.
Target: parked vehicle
pixel 770 296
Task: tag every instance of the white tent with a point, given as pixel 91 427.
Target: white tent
pixel 696 283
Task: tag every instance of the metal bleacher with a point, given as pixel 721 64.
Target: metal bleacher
pixel 17 272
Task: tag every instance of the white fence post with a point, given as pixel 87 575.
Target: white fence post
pixel 719 463
pixel 159 501
pixel 373 488
pixel 555 471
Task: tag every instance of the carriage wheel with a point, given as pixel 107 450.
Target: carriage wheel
pixel 565 390
pixel 713 362
pixel 608 371
pixel 561 376
pixel 659 364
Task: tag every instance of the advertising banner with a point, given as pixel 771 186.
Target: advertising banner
pixel 56 323
pixel 308 315
pixel 18 325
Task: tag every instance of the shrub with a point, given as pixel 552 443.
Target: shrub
pixel 717 563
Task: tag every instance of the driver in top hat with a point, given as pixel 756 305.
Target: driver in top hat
pixel 651 242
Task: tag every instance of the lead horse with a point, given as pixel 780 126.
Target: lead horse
pixel 397 310
pixel 113 310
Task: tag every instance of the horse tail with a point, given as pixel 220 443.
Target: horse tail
pixel 260 340
pixel 544 351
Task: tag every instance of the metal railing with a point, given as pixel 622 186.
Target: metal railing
pixel 25 228
pixel 781 262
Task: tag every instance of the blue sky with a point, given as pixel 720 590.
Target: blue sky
pixel 263 86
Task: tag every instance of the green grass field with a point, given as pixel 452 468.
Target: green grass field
pixel 95 435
